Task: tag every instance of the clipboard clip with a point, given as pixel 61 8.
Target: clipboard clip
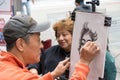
pixel 107 22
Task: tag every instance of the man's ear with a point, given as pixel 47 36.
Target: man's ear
pixel 20 44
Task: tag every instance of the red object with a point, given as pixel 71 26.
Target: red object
pixel 47 43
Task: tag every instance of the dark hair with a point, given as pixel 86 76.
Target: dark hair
pixel 79 1
pixel 85 30
pixel 11 45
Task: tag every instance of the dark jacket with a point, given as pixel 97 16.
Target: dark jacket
pixel 110 68
pixel 52 56
pixel 50 59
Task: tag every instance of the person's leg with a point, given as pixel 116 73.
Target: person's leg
pixel 28 7
pixel 23 11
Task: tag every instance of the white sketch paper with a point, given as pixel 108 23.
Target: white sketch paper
pixel 95 23
pixel 5 5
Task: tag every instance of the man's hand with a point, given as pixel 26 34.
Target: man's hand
pixel 88 52
pixel 61 67
pixel 33 70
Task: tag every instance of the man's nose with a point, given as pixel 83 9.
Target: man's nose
pixel 41 46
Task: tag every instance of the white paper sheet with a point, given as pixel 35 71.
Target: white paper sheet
pixel 95 22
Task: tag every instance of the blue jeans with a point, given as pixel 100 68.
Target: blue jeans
pixel 27 6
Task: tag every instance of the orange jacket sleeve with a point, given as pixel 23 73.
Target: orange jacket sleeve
pixel 80 72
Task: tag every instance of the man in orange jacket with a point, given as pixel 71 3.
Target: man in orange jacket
pixel 23 44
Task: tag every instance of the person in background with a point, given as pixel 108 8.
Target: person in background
pixel 26 4
pixel 80 6
pixel 110 67
pixel 22 36
pixel 78 2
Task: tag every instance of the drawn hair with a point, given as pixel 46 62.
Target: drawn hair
pixel 86 30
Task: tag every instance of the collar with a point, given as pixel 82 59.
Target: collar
pixel 8 57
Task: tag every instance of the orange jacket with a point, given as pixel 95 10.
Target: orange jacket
pixel 80 72
pixel 13 69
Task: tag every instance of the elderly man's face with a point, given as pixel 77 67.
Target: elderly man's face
pixel 33 49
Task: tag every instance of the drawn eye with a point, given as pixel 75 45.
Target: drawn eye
pixel 83 41
pixel 88 40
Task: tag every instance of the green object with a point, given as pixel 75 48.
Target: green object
pixel 110 68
